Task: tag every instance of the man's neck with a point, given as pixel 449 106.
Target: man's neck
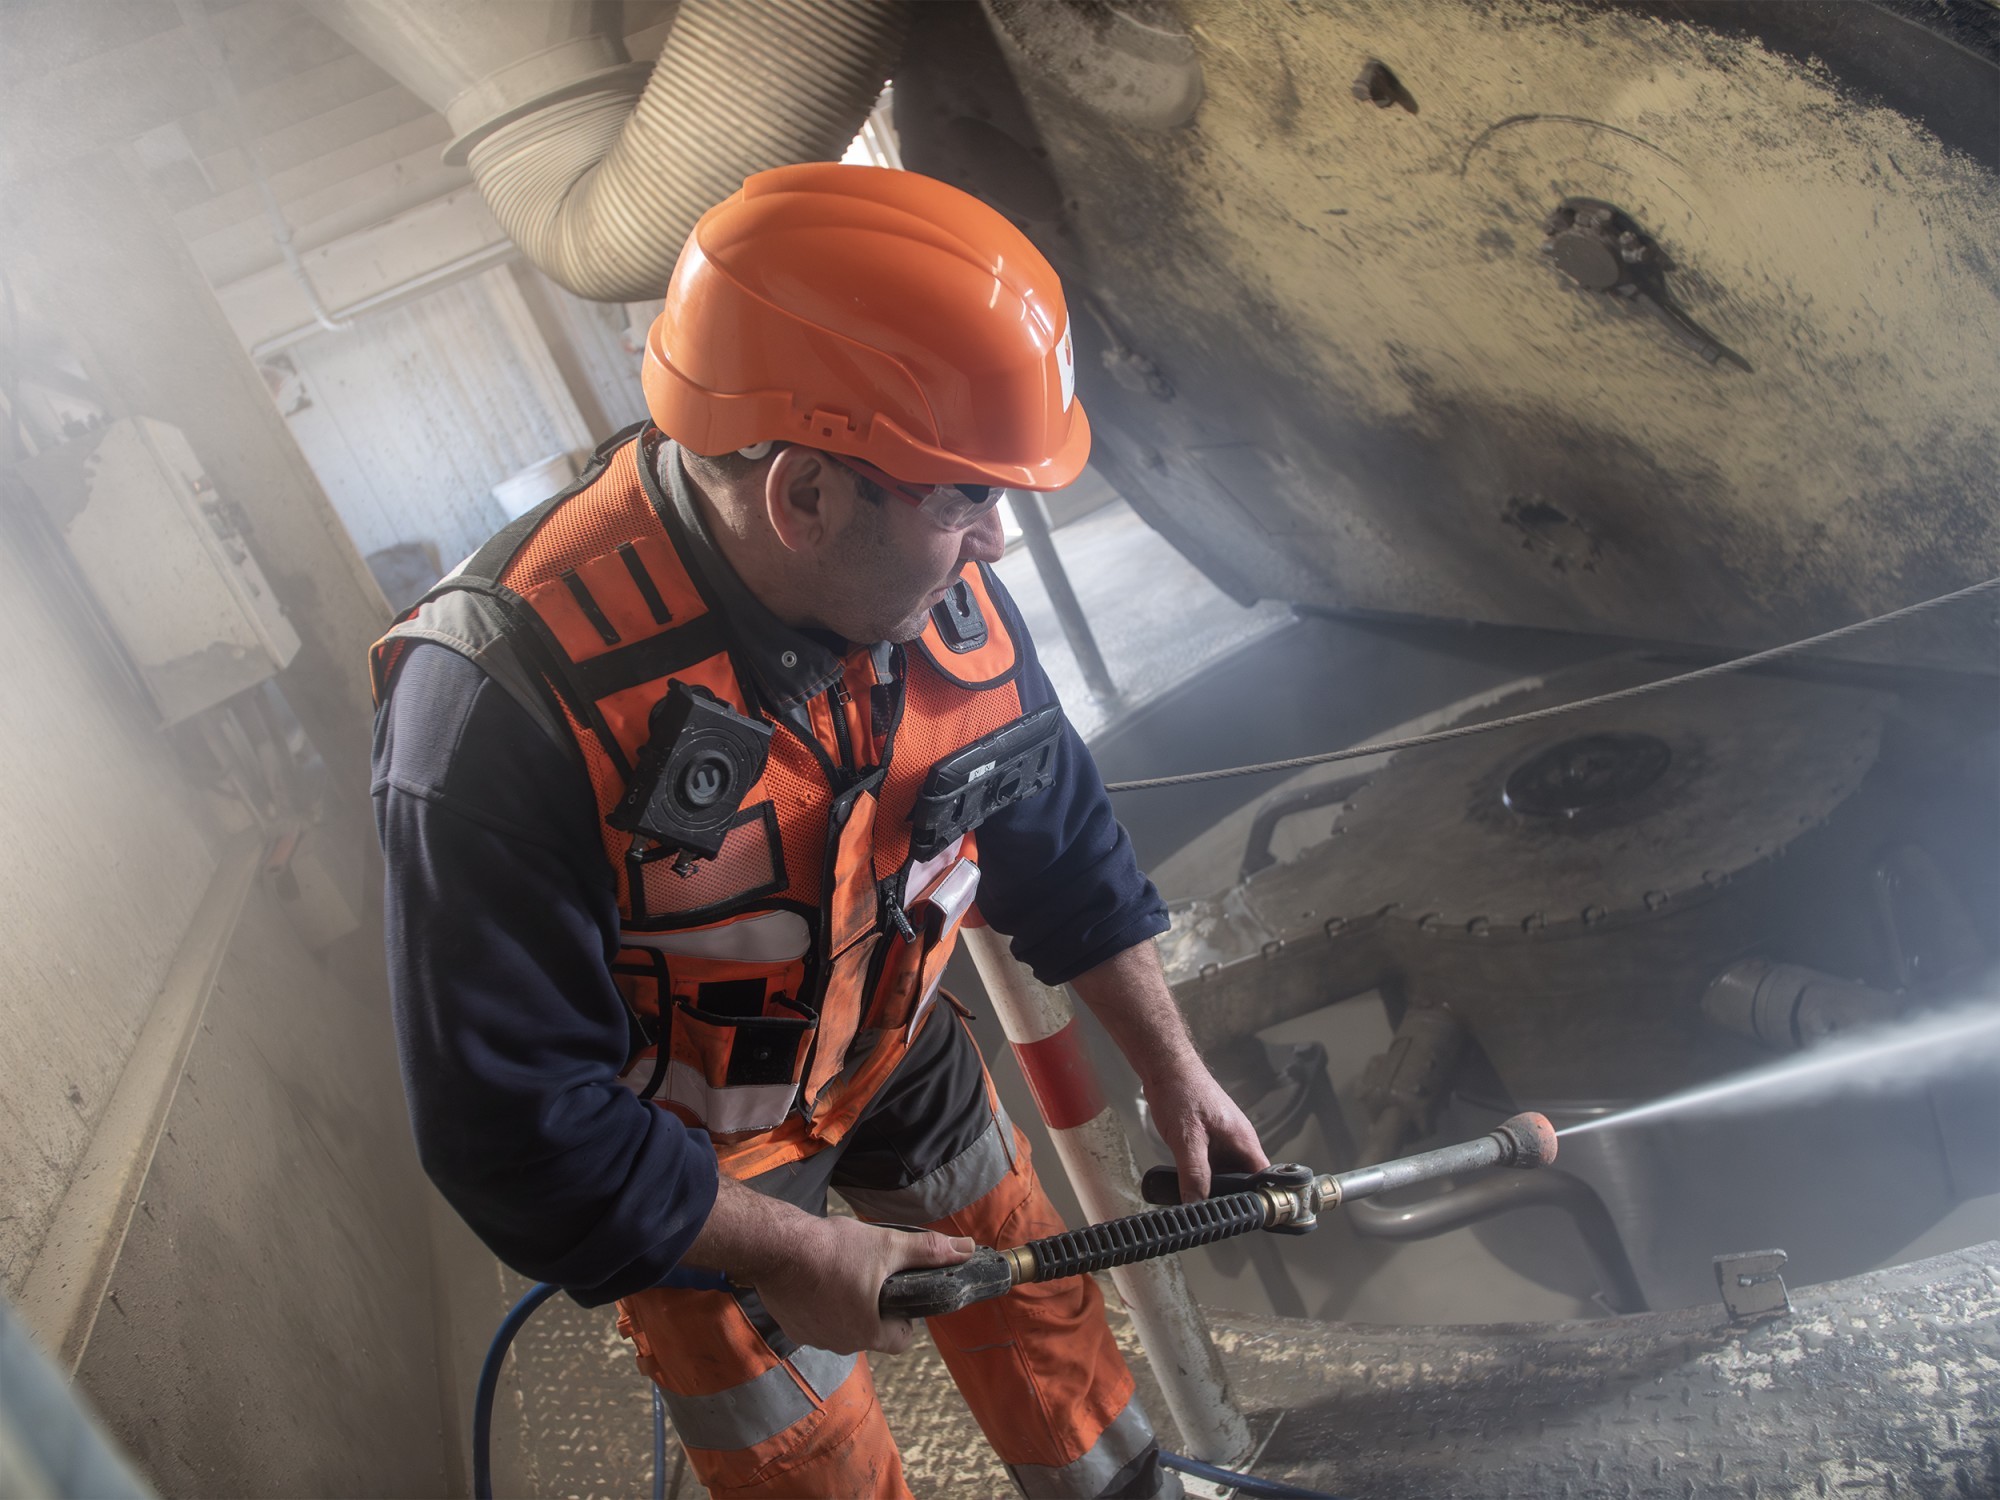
pixel 743 547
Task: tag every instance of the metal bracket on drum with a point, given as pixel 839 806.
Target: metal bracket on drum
pixel 1751 1286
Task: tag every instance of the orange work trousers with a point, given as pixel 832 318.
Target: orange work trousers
pixel 762 1416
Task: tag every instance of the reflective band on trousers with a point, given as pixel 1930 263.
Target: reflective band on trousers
pixel 728 1111
pixel 760 1408
pixel 1124 1441
pixel 957 1184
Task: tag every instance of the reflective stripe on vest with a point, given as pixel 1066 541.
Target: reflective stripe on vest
pixel 751 975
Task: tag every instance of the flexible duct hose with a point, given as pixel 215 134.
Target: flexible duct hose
pixel 601 195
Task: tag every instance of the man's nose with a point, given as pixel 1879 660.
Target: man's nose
pixel 985 539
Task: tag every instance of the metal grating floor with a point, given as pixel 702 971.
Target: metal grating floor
pixel 573 1417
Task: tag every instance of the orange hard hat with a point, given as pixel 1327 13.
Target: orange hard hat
pixel 874 313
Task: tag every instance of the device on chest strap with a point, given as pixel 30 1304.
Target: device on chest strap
pixel 700 760
pixel 1014 762
pixel 960 621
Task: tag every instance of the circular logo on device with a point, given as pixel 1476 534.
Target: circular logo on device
pixel 706 780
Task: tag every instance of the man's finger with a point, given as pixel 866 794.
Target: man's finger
pixel 931 1249
pixel 1239 1140
pixel 896 1336
pixel 1193 1159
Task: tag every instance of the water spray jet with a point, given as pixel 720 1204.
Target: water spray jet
pixel 1893 1058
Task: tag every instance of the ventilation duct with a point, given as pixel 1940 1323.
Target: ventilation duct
pixel 598 190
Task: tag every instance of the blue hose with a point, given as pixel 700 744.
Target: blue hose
pixel 1248 1484
pixel 489 1383
pixel 496 1357
pixel 659 1444
pixel 541 1291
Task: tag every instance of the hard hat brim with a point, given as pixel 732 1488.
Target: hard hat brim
pixel 711 423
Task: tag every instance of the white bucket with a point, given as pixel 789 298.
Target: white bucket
pixel 520 493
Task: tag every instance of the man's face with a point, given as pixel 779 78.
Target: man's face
pixel 880 575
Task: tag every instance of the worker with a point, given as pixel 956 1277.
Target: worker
pixel 686 781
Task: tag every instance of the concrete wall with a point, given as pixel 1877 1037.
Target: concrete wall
pixel 134 312
pixel 594 343
pixel 414 414
pixel 266 1328
pixel 103 855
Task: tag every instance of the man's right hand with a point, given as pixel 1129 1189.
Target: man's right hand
pixel 828 1296
pixel 820 1278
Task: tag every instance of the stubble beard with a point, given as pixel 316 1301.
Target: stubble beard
pixel 909 627
pixel 876 559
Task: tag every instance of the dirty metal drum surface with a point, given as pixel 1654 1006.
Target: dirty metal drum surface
pixel 1881 1385
pixel 1597 817
pixel 1566 887
pixel 1328 354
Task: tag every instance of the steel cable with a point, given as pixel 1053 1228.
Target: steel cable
pixel 1460 731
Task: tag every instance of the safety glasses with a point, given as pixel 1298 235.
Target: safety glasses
pixel 952 507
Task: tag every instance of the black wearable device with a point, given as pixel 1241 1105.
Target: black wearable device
pixel 699 762
pixel 1014 762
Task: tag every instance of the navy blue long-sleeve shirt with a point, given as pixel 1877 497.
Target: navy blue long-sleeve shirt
pixel 501 926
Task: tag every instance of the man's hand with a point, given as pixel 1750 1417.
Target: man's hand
pixel 820 1278
pixel 1200 1124
pixel 827 1297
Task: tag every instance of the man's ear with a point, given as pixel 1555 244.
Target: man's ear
pixel 805 504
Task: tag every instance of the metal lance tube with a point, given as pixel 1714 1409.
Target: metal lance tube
pixel 1041 1025
pixel 1285 1198
pixel 1526 1140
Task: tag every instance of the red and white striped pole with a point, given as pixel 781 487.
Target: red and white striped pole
pixel 1042 1026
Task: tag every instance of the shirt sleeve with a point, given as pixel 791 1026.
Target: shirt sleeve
pixel 502 923
pixel 1057 871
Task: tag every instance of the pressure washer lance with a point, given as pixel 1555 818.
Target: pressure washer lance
pixel 1285 1199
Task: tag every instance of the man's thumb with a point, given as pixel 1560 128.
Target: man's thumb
pixel 933 1249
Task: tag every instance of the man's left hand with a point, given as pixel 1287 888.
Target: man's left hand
pixel 1201 1125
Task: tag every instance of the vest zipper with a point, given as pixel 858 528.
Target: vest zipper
pixel 837 700
pixel 900 917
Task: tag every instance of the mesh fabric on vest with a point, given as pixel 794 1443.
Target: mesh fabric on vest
pixel 794 781
pixel 614 509
pixel 745 863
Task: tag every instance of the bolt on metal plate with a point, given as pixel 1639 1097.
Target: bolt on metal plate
pixel 1751 1285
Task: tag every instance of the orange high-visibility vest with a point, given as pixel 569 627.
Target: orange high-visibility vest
pixel 771 988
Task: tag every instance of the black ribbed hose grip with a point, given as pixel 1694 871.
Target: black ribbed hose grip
pixel 1162 1231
